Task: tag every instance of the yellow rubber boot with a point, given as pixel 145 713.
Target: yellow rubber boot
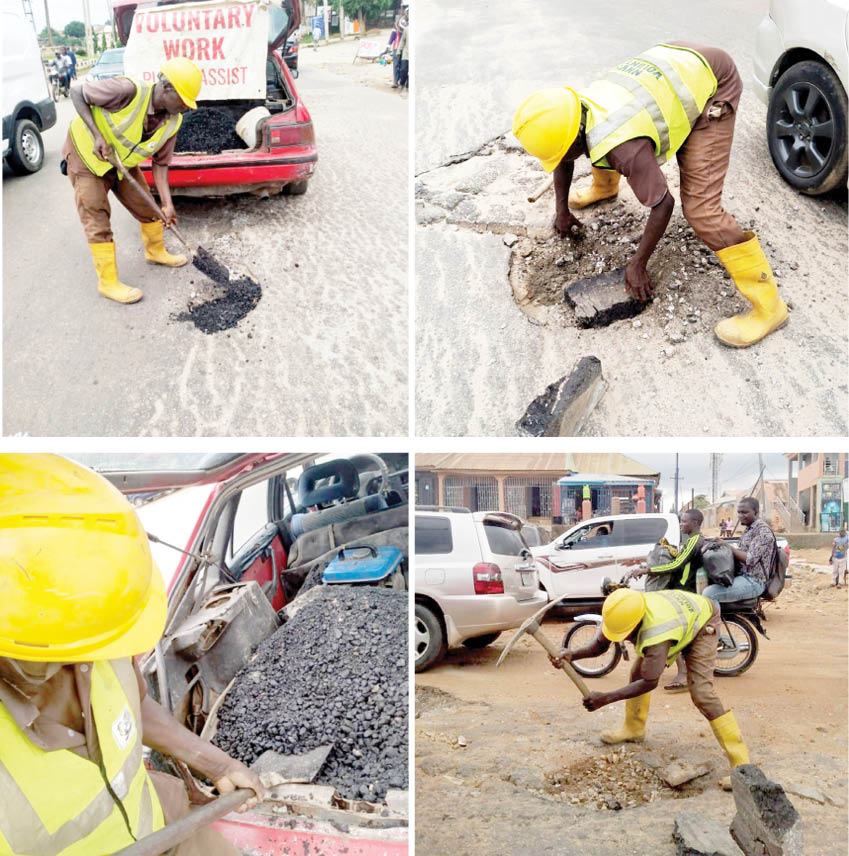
pixel 154 246
pixel 634 729
pixel 108 283
pixel 753 277
pixel 605 186
pixel 727 733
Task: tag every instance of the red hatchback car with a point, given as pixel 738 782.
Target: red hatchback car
pixel 285 155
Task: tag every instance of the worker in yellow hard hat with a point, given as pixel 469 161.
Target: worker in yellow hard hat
pixel 79 597
pixel 133 121
pixel 676 99
pixel 661 625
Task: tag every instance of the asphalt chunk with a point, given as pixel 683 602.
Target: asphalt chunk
pixel 208 130
pixel 336 674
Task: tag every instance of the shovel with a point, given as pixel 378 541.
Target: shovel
pixel 284 768
pixel 148 199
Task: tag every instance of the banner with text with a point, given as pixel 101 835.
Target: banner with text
pixel 227 40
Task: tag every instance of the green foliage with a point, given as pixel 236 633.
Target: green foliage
pixel 57 36
pixel 75 29
pixel 95 42
pixel 701 501
pixel 370 8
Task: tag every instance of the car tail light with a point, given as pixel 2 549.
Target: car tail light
pixel 487 578
pixel 295 134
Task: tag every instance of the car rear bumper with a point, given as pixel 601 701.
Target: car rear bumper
pixel 769 47
pixel 475 615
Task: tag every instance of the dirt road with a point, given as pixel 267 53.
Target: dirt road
pixel 524 783
pixel 492 327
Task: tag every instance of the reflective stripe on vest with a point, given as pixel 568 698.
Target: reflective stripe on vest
pixel 58 803
pixel 673 615
pixel 123 130
pixel 673 565
pixel 659 94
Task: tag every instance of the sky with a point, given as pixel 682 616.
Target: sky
pixel 738 472
pixel 64 11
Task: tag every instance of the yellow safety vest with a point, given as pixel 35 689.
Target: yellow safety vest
pixel 659 94
pixel 675 615
pixel 123 130
pixel 60 804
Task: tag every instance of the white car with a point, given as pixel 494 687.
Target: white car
pixel 474 577
pixel 575 563
pixel 801 71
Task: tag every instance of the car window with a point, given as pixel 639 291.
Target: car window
pixel 114 55
pixel 433 535
pixel 594 536
pixel 645 530
pixel 532 536
pixel 251 514
pixel 503 541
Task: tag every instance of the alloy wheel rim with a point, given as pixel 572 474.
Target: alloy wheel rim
pixel 804 130
pixel 422 639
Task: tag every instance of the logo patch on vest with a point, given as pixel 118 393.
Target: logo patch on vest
pixel 124 729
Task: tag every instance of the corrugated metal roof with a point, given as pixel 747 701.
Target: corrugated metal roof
pixel 554 462
pixel 492 462
pixel 601 478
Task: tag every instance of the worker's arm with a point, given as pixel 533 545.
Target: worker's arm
pixel 594 648
pixel 160 731
pixel 652 664
pixel 101 147
pixel 742 555
pixel 564 220
pixel 685 554
pixel 160 179
pixel 637 279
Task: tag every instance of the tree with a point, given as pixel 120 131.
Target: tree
pixel 54 36
pixel 75 30
pixel 94 47
pixel 364 9
pixel 701 501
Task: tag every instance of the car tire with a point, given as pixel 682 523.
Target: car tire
pixel 477 642
pixel 296 188
pixel 428 637
pixel 806 98
pixel 26 154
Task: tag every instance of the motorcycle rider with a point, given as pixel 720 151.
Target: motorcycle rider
pixel 661 625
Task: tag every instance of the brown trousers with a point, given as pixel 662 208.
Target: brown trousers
pixel 703 162
pixel 175 804
pixel 91 193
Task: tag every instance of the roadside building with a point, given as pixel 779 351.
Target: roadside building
pixel 777 507
pixel 818 484
pixel 542 488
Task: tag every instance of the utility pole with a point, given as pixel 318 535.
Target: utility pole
pixel 692 497
pixel 675 508
pixel 341 21
pixel 763 489
pixel 715 467
pixel 49 34
pixel 89 44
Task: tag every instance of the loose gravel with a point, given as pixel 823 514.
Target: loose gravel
pixel 335 673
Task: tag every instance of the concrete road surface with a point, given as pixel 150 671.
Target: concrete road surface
pixel 324 352
pixel 480 359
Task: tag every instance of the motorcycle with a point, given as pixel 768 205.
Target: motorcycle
pixel 736 650
pixel 59 83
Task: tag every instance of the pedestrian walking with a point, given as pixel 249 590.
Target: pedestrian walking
pixel 838 557
pixel 676 98
pixel 73 58
pixel 404 47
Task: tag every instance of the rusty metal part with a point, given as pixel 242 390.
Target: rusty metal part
pixel 543 188
pixel 532 627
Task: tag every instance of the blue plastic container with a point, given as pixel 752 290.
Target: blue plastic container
pixel 363 565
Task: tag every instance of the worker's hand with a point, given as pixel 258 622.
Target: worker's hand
pixel 101 148
pixel 239 776
pixel 595 700
pixel 564 655
pixel 170 214
pixel 638 282
pixel 569 226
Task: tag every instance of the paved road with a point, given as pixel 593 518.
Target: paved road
pixel 323 354
pixel 480 360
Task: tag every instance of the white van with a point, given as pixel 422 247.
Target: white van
pixel 28 107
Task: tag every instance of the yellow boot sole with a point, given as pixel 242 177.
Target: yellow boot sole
pixel 730 344
pixel 124 294
pixel 181 260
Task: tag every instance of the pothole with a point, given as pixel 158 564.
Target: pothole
pixel 613 781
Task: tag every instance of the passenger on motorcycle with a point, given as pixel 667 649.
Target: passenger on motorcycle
pixel 756 553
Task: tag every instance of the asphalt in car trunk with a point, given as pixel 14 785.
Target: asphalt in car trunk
pixel 208 130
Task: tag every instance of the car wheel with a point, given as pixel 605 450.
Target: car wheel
pixel 26 154
pixel 806 128
pixel 481 641
pixel 428 638
pixel 296 188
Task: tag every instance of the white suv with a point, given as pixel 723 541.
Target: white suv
pixel 474 577
pixel 574 564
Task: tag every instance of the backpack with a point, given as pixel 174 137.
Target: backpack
pixel 777 574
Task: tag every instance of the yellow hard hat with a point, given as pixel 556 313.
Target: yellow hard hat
pixel 622 611
pixel 77 581
pixel 185 77
pixel 547 123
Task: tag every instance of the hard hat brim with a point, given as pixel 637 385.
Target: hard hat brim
pixel 617 637
pixel 141 636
